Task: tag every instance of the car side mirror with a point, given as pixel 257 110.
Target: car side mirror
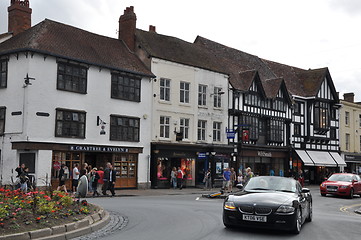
pixel 305 190
pixel 239 186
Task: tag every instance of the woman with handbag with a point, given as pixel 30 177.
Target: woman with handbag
pixel 62 178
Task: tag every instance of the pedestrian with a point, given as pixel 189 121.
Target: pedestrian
pixel 180 178
pixel 208 180
pixel 109 179
pixel 88 174
pixel 173 178
pixel 62 178
pixel 19 170
pixel 301 179
pixel 94 177
pixel 101 179
pixel 82 188
pixel 240 178
pixel 233 179
pixel 248 175
pixel 24 179
pixel 76 174
pixel 226 179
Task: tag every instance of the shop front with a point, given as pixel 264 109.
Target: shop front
pixel 193 160
pixel 353 162
pixel 123 159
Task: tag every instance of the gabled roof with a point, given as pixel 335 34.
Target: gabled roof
pixel 64 41
pixel 272 86
pixel 176 50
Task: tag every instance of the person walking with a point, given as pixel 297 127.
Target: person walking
pixel 94 177
pixel 82 188
pixel 233 179
pixel 208 180
pixel 19 170
pixel 101 179
pixel 62 178
pixel 109 180
pixel 24 180
pixel 76 174
pixel 226 179
pixel 248 175
pixel 173 178
pixel 180 178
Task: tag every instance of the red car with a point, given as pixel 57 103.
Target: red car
pixel 342 184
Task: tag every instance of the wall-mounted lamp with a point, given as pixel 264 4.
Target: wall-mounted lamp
pixel 102 125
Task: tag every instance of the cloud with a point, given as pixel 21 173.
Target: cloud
pixel 352 7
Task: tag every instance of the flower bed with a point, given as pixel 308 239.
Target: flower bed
pixel 20 212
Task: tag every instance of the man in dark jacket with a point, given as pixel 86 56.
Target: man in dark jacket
pixel 109 179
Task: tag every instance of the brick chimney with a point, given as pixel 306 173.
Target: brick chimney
pixel 152 28
pixel 127 26
pixel 349 97
pixel 19 16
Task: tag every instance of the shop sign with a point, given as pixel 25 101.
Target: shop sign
pixel 202 155
pixel 352 158
pixel 231 134
pixel 98 149
pixel 264 154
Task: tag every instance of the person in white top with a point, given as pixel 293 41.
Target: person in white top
pixel 75 177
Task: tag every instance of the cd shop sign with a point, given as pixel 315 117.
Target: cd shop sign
pixel 98 149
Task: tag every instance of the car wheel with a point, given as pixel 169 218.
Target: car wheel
pixel 309 217
pixel 351 193
pixel 298 223
pixel 323 194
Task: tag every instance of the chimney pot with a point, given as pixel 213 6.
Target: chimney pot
pixel 19 16
pixel 152 28
pixel 349 97
pixel 127 27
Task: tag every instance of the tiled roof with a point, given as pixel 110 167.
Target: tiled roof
pixel 240 65
pixel 64 41
pixel 176 50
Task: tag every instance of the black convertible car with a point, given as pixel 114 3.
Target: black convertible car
pixel 269 202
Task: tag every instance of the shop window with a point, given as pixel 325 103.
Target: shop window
pixel 124 129
pixel 184 92
pixel 162 169
pixel 2 120
pixel 29 160
pixel 72 77
pixel 125 165
pixel 202 95
pixel 3 73
pixel 125 87
pixel 69 159
pixel 165 89
pixel 70 123
pixel 187 166
pixel 164 126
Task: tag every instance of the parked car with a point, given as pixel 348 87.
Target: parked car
pixel 342 184
pixel 269 202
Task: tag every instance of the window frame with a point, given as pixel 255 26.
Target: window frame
pixel 347 141
pixel 72 76
pixel 202 130
pixel 126 132
pixel 184 127
pixel 217 97
pixel 347 118
pixel 3 83
pixel 164 127
pixel 2 120
pixel 184 92
pixel 276 131
pixel 125 87
pixel 164 89
pixel 321 117
pixel 72 112
pixel 202 95
pixel 217 131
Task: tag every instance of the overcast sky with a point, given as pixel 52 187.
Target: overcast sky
pixel 301 33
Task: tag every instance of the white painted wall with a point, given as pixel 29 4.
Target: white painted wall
pixel 42 96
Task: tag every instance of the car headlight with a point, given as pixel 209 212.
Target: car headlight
pixel 229 206
pixel 323 185
pixel 343 187
pixel 285 209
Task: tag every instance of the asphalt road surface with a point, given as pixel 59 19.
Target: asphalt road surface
pixel 190 217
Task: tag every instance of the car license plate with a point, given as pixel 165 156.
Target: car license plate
pixel 254 218
pixel 332 189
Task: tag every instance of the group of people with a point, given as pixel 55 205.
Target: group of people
pixel 230 178
pixel 24 180
pixel 89 179
pixel 177 178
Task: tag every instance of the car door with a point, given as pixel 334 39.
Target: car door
pixel 357 184
pixel 303 200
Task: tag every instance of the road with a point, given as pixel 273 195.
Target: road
pixel 189 217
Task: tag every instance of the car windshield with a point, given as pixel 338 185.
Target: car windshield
pixel 340 177
pixel 267 183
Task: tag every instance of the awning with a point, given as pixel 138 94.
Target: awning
pixel 338 159
pixel 307 161
pixel 322 158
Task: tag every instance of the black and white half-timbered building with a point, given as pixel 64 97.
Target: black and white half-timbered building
pixel 284 118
